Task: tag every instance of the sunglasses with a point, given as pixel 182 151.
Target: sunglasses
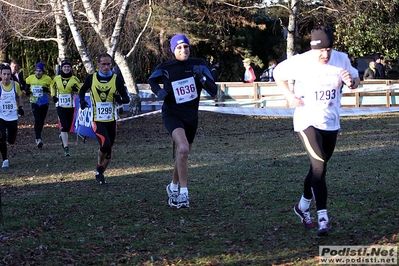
pixel 182 46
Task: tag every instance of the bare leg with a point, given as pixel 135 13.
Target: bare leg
pixel 105 163
pixel 64 138
pixel 101 158
pixel 180 171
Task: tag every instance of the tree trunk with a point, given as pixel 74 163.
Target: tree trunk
pixel 134 106
pixel 88 64
pixel 119 26
pixel 61 42
pixel 292 28
pixel 3 37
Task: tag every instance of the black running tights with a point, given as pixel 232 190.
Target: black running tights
pixel 319 145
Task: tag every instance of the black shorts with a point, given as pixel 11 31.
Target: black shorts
pixel 65 115
pixel 106 133
pixel 190 127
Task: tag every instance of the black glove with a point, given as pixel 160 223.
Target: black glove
pixel 55 99
pixel 118 98
pixel 75 88
pixel 21 111
pixel 198 74
pixel 83 104
pixel 162 94
pixel 46 89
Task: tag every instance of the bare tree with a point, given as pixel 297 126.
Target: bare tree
pixel 59 26
pixel 77 37
pixel 293 13
pixel 107 30
pixel 111 43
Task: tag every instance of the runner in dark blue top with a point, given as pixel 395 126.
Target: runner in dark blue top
pixel 183 79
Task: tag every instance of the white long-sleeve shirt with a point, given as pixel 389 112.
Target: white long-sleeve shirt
pixel 320 87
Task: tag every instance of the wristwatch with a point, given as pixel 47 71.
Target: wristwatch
pixel 203 79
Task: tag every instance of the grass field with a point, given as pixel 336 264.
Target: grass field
pixel 245 176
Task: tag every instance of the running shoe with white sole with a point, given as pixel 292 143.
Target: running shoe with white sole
pixel 170 192
pixel 180 201
pixel 305 217
pixel 39 143
pixel 323 228
pixel 6 164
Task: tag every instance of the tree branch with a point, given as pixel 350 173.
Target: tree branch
pixel 23 36
pixel 142 31
pixel 256 5
pixel 322 7
pixel 21 8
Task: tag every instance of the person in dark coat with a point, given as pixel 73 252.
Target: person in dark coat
pixel 370 72
pixel 16 75
pixel 215 71
pixel 380 73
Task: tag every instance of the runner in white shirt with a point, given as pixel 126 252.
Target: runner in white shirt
pixel 10 109
pixel 319 75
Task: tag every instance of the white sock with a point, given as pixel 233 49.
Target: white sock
pixel 174 187
pixel 183 190
pixel 322 214
pixel 304 204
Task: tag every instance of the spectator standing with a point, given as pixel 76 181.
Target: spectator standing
pixel 249 74
pixel 38 87
pixel 12 107
pixel 318 75
pixel 63 88
pixel 267 75
pixel 106 89
pixel 370 72
pixel 215 71
pixel 183 79
pixel 380 73
pixel 16 75
pixel 272 66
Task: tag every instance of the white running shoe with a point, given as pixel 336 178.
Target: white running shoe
pixel 171 193
pixel 323 228
pixel 6 164
pixel 180 201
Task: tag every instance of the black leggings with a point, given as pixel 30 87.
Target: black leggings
pixel 39 113
pixel 319 145
pixel 12 127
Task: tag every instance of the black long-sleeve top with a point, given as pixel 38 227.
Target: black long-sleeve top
pixel 174 71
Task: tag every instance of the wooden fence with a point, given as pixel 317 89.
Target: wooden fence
pixel 267 95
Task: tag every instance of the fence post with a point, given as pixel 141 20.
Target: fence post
pixel 256 94
pixel 222 93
